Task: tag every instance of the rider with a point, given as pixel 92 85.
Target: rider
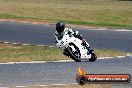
pixel 60 30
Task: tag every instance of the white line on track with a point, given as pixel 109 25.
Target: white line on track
pixel 6 42
pixel 105 57
pixel 120 56
pixel 15 43
pixel 51 46
pixel 40 45
pixel 21 86
pixel 38 62
pixel 99 29
pixel 25 44
pixel 57 84
pixel 122 30
pixel 59 61
pixel 41 85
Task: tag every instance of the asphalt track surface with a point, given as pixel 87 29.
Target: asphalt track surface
pixel 62 72
pixel 43 35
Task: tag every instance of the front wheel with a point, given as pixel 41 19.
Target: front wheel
pixel 74 52
pixel 93 57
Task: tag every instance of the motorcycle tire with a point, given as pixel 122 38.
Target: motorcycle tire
pixel 72 54
pixel 93 57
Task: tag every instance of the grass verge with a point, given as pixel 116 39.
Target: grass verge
pixel 110 13
pixel 87 23
pixel 20 53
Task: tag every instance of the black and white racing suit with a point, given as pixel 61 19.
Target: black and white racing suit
pixel 59 36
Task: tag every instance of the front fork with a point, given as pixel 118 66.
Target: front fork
pixel 90 50
pixel 87 46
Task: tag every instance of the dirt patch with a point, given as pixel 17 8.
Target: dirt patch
pixel 83 26
pixel 26 21
pixel 53 23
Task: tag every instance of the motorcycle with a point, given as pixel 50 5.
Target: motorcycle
pixel 74 48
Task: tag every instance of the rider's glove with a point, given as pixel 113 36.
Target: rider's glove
pixel 70 33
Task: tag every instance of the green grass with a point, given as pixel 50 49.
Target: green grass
pixel 110 13
pixel 13 53
pixel 20 53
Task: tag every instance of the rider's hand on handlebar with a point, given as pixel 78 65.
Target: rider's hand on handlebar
pixel 70 34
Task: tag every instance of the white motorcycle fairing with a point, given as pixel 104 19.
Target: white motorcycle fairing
pixel 67 39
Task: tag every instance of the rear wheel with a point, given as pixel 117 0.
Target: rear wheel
pixel 74 52
pixel 93 57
